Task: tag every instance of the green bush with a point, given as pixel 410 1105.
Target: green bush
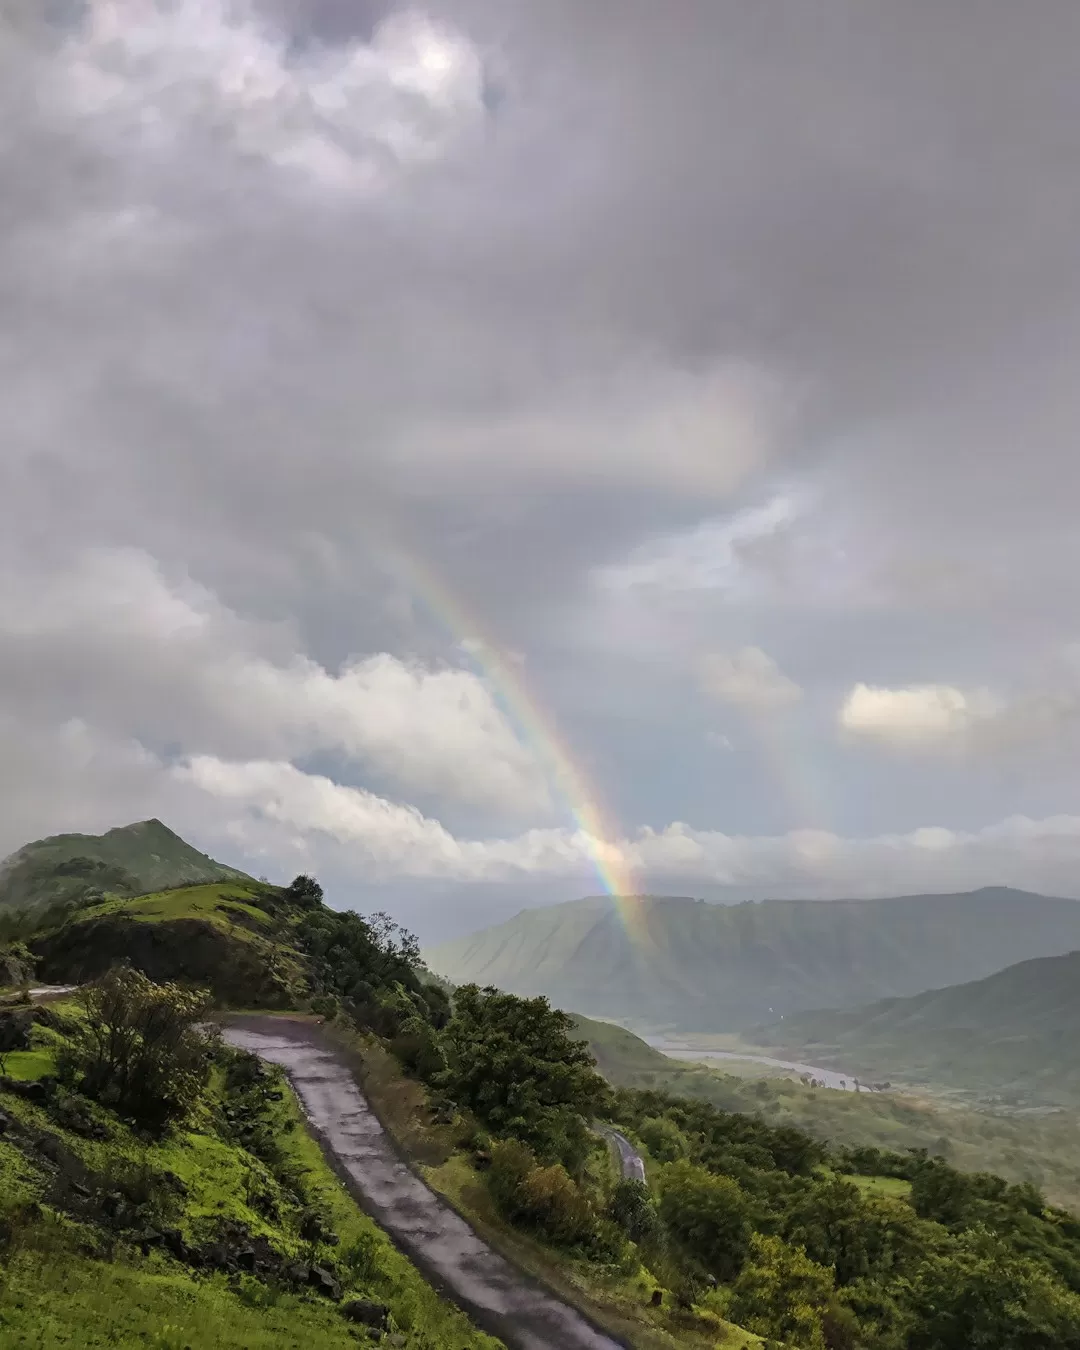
pixel 632 1209
pixel 513 1063
pixel 663 1138
pixel 141 1050
pixel 780 1293
pixel 707 1215
pixel 545 1199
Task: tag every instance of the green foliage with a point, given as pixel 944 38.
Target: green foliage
pixel 243 1175
pixel 979 1296
pixel 874 1134
pixel 708 1215
pixel 141 1050
pixel 70 869
pixel 782 1294
pixel 305 892
pixel 513 1063
pixel 663 1138
pixel 16 964
pixel 632 1209
pixel 545 1200
pixel 371 965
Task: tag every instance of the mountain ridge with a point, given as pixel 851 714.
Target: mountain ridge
pixel 1009 1034
pixel 674 961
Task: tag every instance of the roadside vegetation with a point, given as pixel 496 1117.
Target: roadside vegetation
pixel 133 1138
pixel 159 1189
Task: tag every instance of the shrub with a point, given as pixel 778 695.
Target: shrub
pixel 514 1063
pixel 546 1199
pixel 663 1138
pixel 142 1051
pixel 707 1215
pixel 633 1211
pixel 782 1294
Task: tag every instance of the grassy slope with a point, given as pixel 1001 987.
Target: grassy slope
pixel 1040 1148
pixel 616 1300
pixel 219 934
pixel 1012 1034
pixel 716 967
pixel 55 1291
pixel 146 856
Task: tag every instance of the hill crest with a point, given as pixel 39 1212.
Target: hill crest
pixel 129 859
pixel 707 967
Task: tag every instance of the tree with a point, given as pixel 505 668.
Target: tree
pixel 707 1215
pixel 663 1138
pixel 142 1050
pixel 305 891
pixel 781 1293
pixel 979 1296
pixel 514 1064
pixel 632 1209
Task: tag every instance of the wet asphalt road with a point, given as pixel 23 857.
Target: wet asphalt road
pixel 500 1299
pixel 633 1168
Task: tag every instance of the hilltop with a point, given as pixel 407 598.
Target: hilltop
pixel 664 962
pixel 129 860
pixel 1012 1034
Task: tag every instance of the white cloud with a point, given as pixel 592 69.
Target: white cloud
pixel 273 817
pixel 273 803
pixel 920 716
pixel 748 678
pixel 116 642
pixel 210 74
pixel 707 557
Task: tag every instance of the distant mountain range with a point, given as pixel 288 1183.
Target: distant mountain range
pixel 130 860
pixel 1013 1034
pixel 658 962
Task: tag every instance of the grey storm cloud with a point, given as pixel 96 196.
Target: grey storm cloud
pixel 341 338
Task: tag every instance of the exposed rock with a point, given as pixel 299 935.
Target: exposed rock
pixel 366 1312
pixel 321 1280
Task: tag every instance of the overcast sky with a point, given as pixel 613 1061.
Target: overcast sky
pixel 434 439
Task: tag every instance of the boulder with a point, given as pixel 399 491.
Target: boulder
pixel 323 1282
pixel 367 1313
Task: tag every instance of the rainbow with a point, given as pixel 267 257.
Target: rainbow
pixel 595 830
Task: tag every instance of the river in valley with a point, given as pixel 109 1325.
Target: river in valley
pixel 829 1078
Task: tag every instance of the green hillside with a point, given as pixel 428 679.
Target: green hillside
pixel 1043 1149
pixel 129 860
pixel 661 962
pixel 1011 1035
pixel 234 938
pixel 159 1189
pixel 216 1233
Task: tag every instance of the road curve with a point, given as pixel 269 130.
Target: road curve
pixel 630 1160
pixel 499 1298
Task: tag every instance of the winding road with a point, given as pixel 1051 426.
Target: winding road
pixel 630 1160
pixel 498 1297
